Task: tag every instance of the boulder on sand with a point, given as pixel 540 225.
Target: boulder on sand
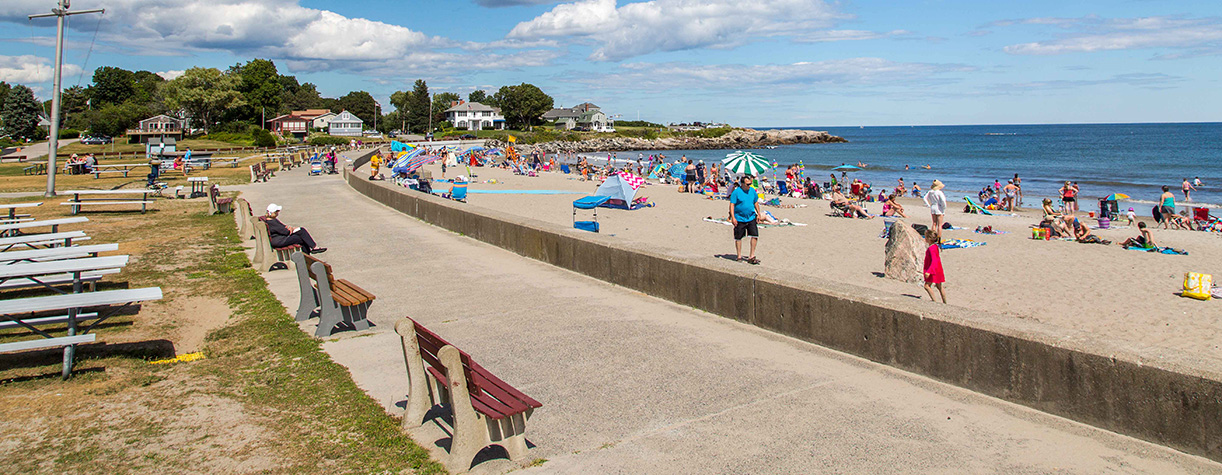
pixel 904 260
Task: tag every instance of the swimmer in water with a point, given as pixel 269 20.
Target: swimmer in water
pixel 927 167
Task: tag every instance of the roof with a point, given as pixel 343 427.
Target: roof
pixel 472 106
pixel 327 114
pixel 586 107
pixel 345 117
pixel 561 114
pixel 311 113
pixel 287 117
pixel 589 116
pixel 160 116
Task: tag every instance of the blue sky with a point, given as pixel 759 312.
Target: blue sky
pixel 750 63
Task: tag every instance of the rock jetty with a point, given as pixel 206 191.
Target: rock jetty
pixel 735 139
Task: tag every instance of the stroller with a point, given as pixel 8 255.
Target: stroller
pixel 315 165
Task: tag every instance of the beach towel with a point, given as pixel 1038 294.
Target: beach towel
pixel 961 244
pixel 1160 250
pixel 781 224
pixel 989 230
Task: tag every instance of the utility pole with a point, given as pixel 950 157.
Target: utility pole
pixel 53 139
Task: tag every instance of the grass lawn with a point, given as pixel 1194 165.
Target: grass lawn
pixel 121 145
pixel 12 177
pixel 265 399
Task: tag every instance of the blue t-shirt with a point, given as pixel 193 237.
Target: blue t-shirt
pixel 744 203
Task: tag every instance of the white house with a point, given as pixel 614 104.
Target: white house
pixel 345 124
pixel 475 116
pixel 322 121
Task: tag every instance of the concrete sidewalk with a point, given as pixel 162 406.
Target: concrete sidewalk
pixel 634 384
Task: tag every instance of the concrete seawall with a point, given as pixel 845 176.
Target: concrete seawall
pixel 1157 396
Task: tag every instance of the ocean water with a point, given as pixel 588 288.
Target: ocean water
pixel 1134 159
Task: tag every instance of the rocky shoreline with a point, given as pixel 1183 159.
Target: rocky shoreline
pixel 735 139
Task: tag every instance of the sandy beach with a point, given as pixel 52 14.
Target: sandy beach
pixel 1127 297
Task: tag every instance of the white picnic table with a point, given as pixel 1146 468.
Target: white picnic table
pixel 30 274
pixel 55 253
pixel 198 186
pixel 76 202
pixel 125 168
pixel 18 311
pixel 13 217
pixel 11 229
pixel 35 241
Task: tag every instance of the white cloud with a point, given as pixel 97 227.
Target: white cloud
pixel 635 29
pixel 847 35
pixel 1091 34
pixel 29 69
pixel 842 73
pixel 171 74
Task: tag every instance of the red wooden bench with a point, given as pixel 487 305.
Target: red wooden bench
pixel 486 411
pixel 216 203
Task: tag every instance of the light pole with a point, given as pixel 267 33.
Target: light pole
pixel 53 138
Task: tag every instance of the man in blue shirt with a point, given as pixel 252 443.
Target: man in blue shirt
pixel 744 211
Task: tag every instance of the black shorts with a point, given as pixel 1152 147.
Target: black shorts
pixel 691 177
pixel 1069 199
pixel 746 228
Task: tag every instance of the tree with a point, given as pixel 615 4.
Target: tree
pixel 20 114
pixel 303 97
pixel 441 102
pixel 4 89
pixel 144 87
pixel 360 104
pixel 389 122
pixel 522 104
pixel 418 107
pixel 479 96
pixel 112 85
pixel 260 87
pixel 204 93
pixel 114 119
pixel 73 107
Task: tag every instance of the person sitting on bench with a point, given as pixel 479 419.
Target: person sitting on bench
pixel 284 236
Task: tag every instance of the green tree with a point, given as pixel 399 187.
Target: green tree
pixel 262 137
pixel 145 85
pixel 114 119
pixel 418 107
pixel 441 102
pixel 74 108
pixel 112 85
pixel 204 93
pixel 20 114
pixel 303 97
pixel 522 104
pixel 4 89
pixel 260 87
pixel 360 104
pixel 479 96
pixel 389 122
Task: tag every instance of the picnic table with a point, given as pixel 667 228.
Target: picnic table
pixel 14 229
pixel 199 186
pixel 54 253
pixel 52 273
pixel 35 241
pixel 108 198
pixel 124 168
pixel 13 217
pixel 20 311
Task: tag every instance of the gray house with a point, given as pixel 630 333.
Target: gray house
pixel 345 125
pixel 585 115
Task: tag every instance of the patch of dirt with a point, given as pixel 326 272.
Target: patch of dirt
pixel 189 319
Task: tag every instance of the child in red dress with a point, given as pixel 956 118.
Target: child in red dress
pixel 933 264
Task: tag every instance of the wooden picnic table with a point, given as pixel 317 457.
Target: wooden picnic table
pixel 55 253
pixel 76 202
pixel 20 312
pixel 35 241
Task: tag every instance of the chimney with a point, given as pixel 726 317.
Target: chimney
pixel 456 103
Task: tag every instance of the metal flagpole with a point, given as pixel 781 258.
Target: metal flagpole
pixel 53 138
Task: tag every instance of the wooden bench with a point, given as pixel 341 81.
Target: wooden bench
pixel 109 199
pixel 486 411
pixel 35 169
pixel 267 257
pixel 334 301
pixel 259 172
pixel 216 204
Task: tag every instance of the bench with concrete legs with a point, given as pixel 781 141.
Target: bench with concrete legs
pixel 334 301
pixel 259 172
pixel 486 411
pixel 268 258
pixel 216 204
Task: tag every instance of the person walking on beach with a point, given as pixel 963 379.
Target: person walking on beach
pixel 1010 200
pixel 1188 189
pixel 933 264
pixel 937 203
pixel 744 214
pixel 1166 206
pixel 1069 197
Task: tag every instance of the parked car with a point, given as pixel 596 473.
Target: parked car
pixel 96 140
pixel 467 136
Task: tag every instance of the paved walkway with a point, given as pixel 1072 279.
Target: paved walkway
pixel 633 384
pixel 36 150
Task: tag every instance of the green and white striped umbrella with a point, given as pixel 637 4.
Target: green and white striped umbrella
pixel 746 163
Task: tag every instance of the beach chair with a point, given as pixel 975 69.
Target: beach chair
pixel 591 203
pixel 782 188
pixel 565 169
pixel 458 192
pixel 975 208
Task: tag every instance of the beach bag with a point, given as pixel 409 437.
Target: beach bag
pixel 1198 286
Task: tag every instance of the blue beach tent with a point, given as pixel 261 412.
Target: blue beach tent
pixel 617 191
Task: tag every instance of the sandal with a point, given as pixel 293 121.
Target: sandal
pixel 754 261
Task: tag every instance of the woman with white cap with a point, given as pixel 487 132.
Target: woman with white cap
pixel 937 203
pixel 284 236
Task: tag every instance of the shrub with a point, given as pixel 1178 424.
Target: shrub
pixel 327 140
pixel 262 138
pixel 69 134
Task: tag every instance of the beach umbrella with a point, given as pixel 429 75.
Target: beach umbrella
pixel 1117 197
pixel 846 168
pixel 746 163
